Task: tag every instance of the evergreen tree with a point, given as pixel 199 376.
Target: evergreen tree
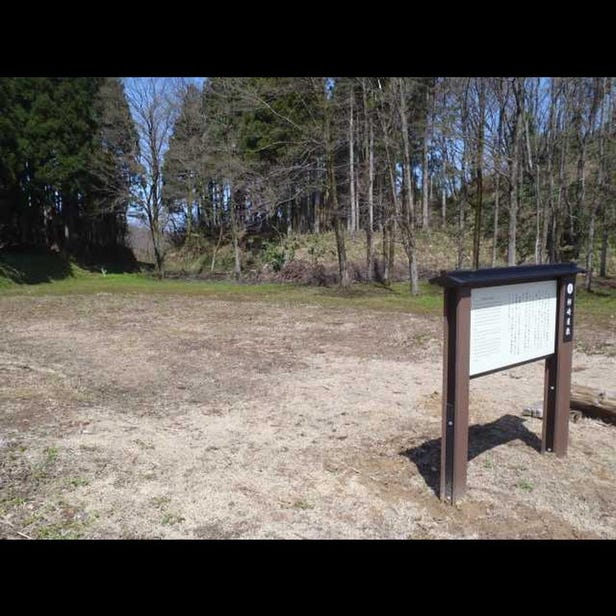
pixel 65 162
pixel 113 165
pixel 184 183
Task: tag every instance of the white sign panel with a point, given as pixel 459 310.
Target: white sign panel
pixel 511 324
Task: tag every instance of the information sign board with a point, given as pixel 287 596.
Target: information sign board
pixel 493 319
pixel 511 324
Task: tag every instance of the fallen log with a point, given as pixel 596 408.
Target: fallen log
pixel 595 403
pixel 536 410
pixel 589 401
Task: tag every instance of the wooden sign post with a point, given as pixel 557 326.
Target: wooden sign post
pixel 495 319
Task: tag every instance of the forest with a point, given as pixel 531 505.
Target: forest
pixel 522 164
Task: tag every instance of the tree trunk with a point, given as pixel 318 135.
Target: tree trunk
pixel 385 246
pixel 460 251
pixel 461 216
pixel 317 211
pixel 159 257
pixel 67 219
pixel 160 262
pixel 342 257
pixel 479 172
pixel 353 221
pixel 370 225
pixel 495 230
pixel 290 217
pixel 557 225
pixel 237 268
pixel 514 177
pixel 189 216
pixel 535 169
pixel 216 248
pixel 332 200
pixel 425 210
pixel 408 177
pixel 497 169
pixel 599 193
pixel 443 207
pixel 391 249
pixel 407 219
pixel 463 179
pixel 590 250
pixel 357 212
pixel 548 207
pixel 538 227
pixel 431 190
pixel 603 258
pixel 156 235
pixel 414 276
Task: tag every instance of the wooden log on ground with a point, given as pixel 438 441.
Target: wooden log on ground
pixel 589 401
pixel 594 402
pixel 536 410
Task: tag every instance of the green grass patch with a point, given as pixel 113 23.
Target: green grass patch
pixel 170 519
pixel 78 482
pixel 39 266
pixel 61 530
pixel 525 485
pixel 17 268
pixel 597 306
pixel 10 502
pixel 302 504
pixel 51 455
pixel 396 298
pixel 160 502
pixel 594 308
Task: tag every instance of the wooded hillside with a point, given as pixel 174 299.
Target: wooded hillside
pixel 526 164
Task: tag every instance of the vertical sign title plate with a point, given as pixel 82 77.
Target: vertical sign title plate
pixel 568 308
pixel 511 324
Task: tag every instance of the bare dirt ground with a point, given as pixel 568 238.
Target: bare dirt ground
pixel 182 417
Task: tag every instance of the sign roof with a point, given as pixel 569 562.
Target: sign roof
pixel 504 275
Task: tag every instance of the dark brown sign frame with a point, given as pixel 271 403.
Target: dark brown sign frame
pixel 458 285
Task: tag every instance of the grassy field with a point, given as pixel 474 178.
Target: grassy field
pixel 42 278
pixel 139 408
pixel 134 408
pixel 36 278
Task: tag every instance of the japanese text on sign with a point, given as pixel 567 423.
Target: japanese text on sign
pixel 511 324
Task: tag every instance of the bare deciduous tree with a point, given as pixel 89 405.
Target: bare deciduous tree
pixel 154 104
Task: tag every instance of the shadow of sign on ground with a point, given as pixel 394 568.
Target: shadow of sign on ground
pixel 482 438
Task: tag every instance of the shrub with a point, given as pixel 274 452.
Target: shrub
pixel 277 255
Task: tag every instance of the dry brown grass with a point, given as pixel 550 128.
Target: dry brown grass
pixel 184 417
